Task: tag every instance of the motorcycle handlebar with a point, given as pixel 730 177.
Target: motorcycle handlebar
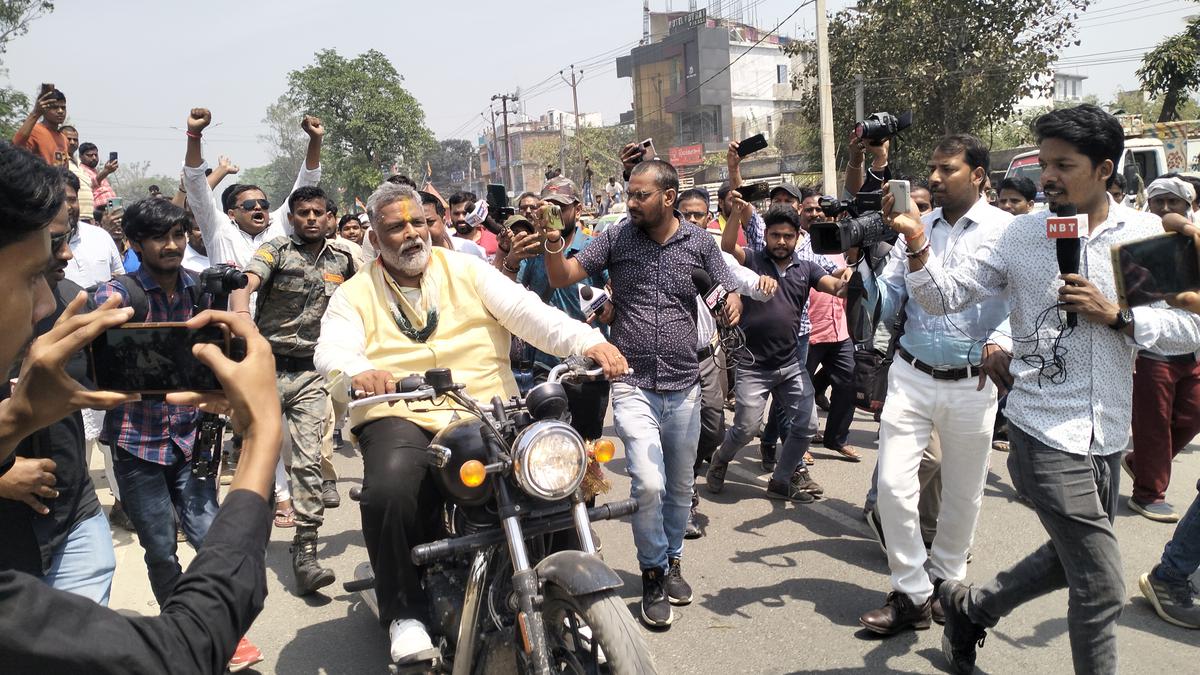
pixel 424 554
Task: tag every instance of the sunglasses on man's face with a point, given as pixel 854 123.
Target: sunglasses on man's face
pixel 249 204
pixel 57 241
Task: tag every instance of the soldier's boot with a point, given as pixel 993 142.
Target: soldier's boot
pixel 309 575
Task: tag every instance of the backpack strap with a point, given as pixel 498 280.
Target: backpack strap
pixel 136 296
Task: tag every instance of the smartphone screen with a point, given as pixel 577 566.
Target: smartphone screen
pixel 753 144
pixel 497 197
pixel 154 358
pixel 755 191
pixel 1150 269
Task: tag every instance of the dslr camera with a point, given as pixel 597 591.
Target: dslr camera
pixel 221 280
pixel 880 126
pixel 862 225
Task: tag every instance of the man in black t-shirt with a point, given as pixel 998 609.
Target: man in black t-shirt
pixel 771 328
pixel 50 519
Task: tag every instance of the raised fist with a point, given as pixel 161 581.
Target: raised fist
pixel 312 126
pixel 198 120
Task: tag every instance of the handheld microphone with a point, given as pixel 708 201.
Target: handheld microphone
pixel 713 295
pixel 1063 228
pixel 592 300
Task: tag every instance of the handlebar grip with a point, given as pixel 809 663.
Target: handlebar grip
pixel 580 363
pixel 613 510
pixel 410 383
pixel 423 554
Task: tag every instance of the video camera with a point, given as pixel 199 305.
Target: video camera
pixel 221 280
pixel 880 126
pixel 864 227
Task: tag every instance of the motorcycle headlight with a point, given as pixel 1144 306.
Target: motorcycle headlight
pixel 549 460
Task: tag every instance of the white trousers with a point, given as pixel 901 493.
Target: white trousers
pixel 916 405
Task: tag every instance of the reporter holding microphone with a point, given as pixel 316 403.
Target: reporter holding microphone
pixel 1069 409
pixel 216 600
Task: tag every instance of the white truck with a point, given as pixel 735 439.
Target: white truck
pixel 1151 149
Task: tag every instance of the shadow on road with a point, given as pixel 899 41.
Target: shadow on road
pixel 351 644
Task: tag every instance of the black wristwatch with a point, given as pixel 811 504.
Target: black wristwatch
pixel 1124 318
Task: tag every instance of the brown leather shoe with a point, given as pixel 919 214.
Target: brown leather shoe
pixel 897 614
pixel 935 610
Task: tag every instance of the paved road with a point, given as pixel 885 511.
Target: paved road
pixel 778 588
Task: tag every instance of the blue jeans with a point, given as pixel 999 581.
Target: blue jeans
pixel 84 562
pixel 660 431
pixel 153 494
pixel 1181 557
pixel 788 385
pixel 779 420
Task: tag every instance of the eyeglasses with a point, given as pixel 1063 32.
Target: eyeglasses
pixel 641 196
pixel 57 241
pixel 694 215
pixel 249 204
pixel 528 207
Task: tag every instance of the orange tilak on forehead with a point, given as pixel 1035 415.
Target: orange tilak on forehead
pixel 405 211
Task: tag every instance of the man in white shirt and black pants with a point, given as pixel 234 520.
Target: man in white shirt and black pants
pixel 1069 410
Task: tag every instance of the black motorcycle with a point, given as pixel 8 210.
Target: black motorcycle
pixel 517 585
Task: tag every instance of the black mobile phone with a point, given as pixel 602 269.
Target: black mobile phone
pixel 755 191
pixel 155 358
pixel 1148 270
pixel 753 144
pixel 112 156
pixel 46 89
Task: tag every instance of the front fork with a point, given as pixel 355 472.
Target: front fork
pixel 531 627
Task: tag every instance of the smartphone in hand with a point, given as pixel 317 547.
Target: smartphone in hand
pixel 156 358
pixel 648 151
pixel 901 193
pixel 751 145
pixel 112 156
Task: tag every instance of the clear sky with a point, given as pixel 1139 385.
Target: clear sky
pixel 132 69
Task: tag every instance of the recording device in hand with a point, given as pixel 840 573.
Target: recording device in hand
pixel 1151 269
pixel 112 156
pixel 755 191
pixel 1063 228
pixel 551 216
pixel 751 145
pixel 713 295
pixel 592 300
pixel 156 358
pixel 648 151
pixel 497 202
pixel 863 228
pixel 880 126
pixel 901 193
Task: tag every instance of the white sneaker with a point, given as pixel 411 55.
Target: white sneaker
pixel 409 638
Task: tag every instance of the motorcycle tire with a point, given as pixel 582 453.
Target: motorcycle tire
pixel 611 625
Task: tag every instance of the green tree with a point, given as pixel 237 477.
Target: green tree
pixel 1172 69
pixel 15 17
pixel 959 65
pixel 373 122
pixel 449 157
pixel 602 145
pixel 134 179
pixel 1136 102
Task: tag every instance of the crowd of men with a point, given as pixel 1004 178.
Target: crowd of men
pixel 969 298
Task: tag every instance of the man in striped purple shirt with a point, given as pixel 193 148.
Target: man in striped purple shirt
pixel 152 441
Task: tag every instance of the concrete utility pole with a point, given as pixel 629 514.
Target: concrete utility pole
pixel 575 98
pixel 504 99
pixel 860 98
pixel 825 96
pixel 495 142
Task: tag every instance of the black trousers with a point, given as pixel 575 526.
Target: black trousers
pixel 837 359
pixel 400 507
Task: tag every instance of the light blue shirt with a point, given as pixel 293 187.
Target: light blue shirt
pixel 954 340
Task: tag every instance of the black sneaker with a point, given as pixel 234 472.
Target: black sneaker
pixel 802 480
pixel 656 609
pixel 877 528
pixel 679 592
pixel 715 478
pixel 788 491
pixel 961 635
pixel 766 452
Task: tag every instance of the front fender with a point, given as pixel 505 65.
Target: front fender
pixel 577 573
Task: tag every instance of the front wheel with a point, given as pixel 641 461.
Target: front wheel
pixel 593 633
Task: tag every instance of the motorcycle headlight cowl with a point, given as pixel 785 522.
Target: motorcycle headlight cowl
pixel 549 460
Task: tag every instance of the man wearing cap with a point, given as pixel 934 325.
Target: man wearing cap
pixel 524 263
pixel 1166 392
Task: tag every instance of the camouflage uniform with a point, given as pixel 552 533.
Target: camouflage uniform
pixel 295 290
